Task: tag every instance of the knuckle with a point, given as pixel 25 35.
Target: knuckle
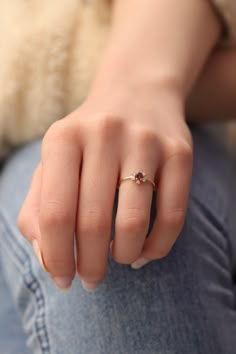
pixel 133 223
pixel 54 131
pixel 93 223
pixel 145 137
pixel 179 148
pixel 107 125
pixel 54 213
pixel 58 131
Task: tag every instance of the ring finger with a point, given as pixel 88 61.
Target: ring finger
pixel 134 204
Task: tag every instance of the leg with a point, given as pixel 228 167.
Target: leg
pixel 184 303
pixel 12 338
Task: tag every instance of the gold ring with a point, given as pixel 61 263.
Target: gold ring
pixel 138 177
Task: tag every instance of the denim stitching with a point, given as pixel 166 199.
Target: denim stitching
pixel 34 287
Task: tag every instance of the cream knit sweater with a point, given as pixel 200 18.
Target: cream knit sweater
pixel 49 51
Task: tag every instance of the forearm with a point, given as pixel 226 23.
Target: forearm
pixel 214 94
pixel 159 43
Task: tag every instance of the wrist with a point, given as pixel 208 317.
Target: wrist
pixel 119 68
pixel 167 45
pixel 121 82
pixel 137 98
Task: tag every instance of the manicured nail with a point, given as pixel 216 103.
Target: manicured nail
pixel 63 283
pixel 38 254
pixel 140 262
pixel 89 286
pixel 111 246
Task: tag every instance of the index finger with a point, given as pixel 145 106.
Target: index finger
pixel 61 158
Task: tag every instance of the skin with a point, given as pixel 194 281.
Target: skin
pixel 133 117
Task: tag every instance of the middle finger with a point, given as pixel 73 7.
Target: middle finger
pixel 96 197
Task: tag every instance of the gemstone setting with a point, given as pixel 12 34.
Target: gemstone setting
pixel 139 177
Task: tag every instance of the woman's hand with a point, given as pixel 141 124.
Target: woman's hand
pixel 73 189
pixel 132 120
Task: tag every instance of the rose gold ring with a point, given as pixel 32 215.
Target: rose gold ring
pixel 138 177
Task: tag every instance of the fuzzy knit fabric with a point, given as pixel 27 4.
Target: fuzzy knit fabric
pixel 49 52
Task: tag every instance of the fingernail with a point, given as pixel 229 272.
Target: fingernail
pixel 111 246
pixel 89 286
pixel 38 254
pixel 63 283
pixel 140 262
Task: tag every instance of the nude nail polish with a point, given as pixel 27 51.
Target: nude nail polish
pixel 63 283
pixel 89 286
pixel 140 262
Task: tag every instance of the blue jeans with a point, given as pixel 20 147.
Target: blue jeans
pixel 182 304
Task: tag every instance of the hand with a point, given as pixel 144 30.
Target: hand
pixel 73 188
pixel 133 119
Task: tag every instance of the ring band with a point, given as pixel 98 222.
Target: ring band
pixel 138 177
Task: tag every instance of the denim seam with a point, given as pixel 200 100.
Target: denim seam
pixel 32 284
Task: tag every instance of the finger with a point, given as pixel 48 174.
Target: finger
pixel 134 204
pixel 61 158
pixel 96 198
pixel 28 217
pixel 172 199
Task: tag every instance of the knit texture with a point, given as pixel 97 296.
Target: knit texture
pixel 49 52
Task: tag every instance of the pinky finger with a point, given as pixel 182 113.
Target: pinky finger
pixel 172 203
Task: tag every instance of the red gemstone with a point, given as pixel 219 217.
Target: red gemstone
pixel 139 176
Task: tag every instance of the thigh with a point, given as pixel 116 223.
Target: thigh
pixel 12 338
pixel 184 303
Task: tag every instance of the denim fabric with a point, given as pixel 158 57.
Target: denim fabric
pixel 182 304
pixel 12 338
